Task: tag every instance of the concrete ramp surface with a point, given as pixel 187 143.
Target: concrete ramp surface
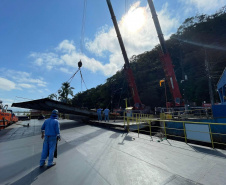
pixel 93 155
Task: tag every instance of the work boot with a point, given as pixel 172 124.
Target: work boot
pixel 42 165
pixel 53 164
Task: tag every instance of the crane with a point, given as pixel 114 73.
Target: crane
pixel 166 60
pixel 129 73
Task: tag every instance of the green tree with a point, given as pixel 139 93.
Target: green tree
pixel 64 92
pixel 52 96
pixel 197 39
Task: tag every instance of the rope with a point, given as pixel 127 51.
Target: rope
pixel 83 26
pixel 81 41
pixel 83 79
pixel 126 6
pixel 70 79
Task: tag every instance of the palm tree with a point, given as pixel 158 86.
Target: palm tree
pixel 52 96
pixel 64 92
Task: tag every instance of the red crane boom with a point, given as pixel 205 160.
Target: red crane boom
pixel 129 72
pixel 166 60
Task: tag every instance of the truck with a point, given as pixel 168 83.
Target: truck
pixel 7 117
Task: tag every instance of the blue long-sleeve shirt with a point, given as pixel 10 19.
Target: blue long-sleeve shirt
pixel 106 111
pixel 99 111
pixel 51 127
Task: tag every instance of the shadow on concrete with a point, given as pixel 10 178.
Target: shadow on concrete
pixel 5 131
pixel 7 172
pixel 208 151
pixel 23 132
pixel 127 138
pixel 30 177
pixel 19 133
pixel 168 142
pixel 68 125
pixel 115 135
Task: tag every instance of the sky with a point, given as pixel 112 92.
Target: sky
pixel 42 41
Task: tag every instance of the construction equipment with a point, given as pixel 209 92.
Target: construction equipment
pixel 129 73
pixel 167 62
pixel 7 117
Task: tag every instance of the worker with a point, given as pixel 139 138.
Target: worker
pixel 51 132
pixel 99 114
pixel 106 114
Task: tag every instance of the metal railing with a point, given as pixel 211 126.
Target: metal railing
pixel 146 123
pixel 194 113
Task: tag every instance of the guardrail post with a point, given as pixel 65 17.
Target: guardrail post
pixel 124 119
pixel 128 124
pixel 165 128
pixel 211 136
pixel 137 126
pixel 149 122
pixel 185 136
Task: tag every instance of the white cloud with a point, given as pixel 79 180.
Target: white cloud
pixel 9 102
pixel 66 46
pixel 68 61
pixel 27 86
pixel 25 78
pixel 40 91
pixel 6 84
pixel 6 101
pixel 138 33
pixel 99 44
pixel 65 70
pixel 204 6
pixel 20 80
pixel 39 61
pixel 50 59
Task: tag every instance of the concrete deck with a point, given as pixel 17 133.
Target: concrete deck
pixel 118 124
pixel 94 155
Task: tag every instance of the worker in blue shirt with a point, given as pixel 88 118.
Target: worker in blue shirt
pixel 106 114
pixel 99 114
pixel 51 132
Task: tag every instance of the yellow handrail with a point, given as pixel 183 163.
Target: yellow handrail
pixel 146 120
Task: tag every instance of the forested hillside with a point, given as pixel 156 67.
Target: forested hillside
pixel 198 41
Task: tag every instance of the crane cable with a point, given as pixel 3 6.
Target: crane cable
pixel 81 47
pixel 82 35
pixel 70 79
pixel 83 26
pixel 83 80
pixel 126 6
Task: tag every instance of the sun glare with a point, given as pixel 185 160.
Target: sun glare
pixel 134 19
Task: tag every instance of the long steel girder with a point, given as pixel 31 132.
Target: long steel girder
pixel 48 105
